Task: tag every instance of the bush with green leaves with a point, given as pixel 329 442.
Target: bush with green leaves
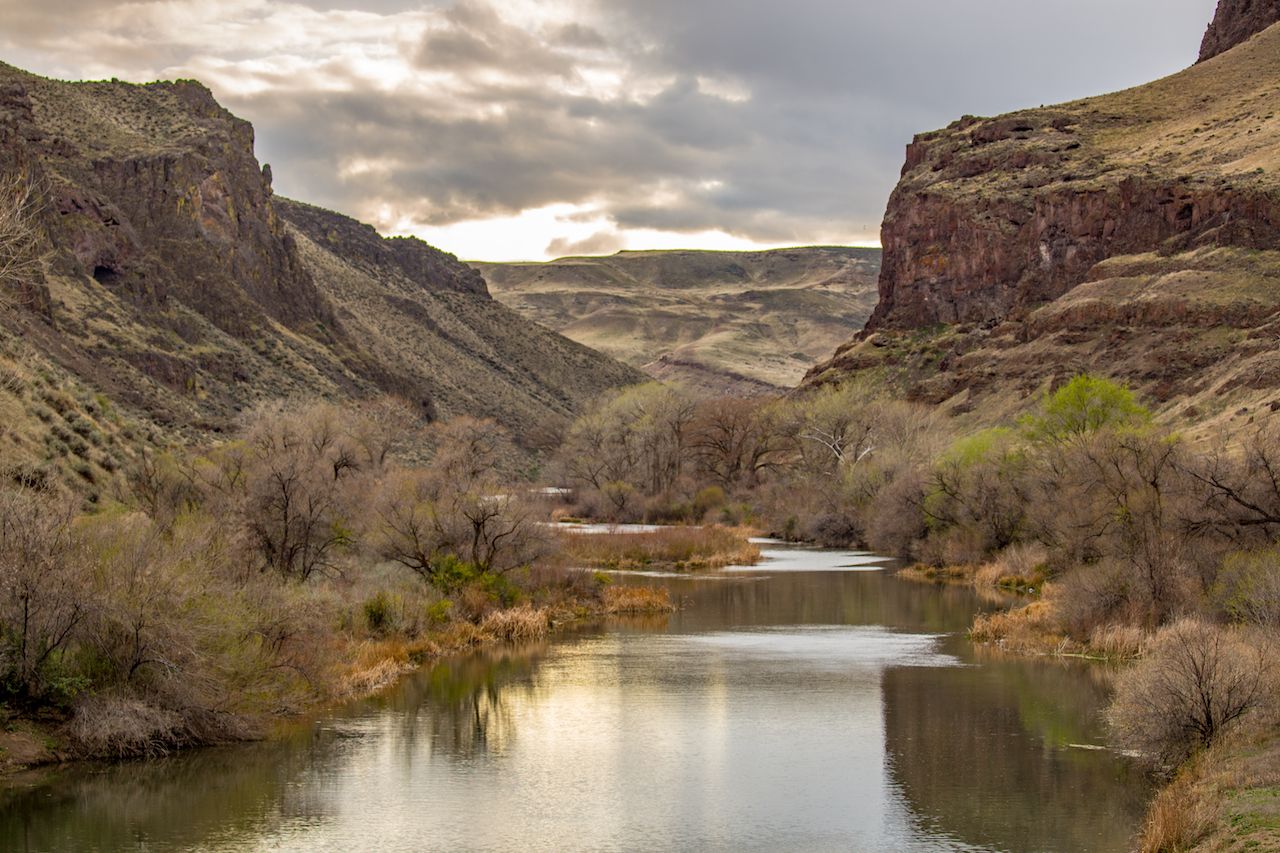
pixel 1085 405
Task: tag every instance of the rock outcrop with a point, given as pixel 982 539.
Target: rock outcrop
pixel 995 216
pixel 1135 234
pixel 1237 21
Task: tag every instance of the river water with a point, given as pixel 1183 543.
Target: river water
pixel 813 702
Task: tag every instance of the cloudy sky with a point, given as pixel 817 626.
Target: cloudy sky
pixel 523 129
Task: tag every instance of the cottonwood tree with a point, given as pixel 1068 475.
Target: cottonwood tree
pixel 1240 489
pixel 735 441
pixel 633 442
pixel 977 494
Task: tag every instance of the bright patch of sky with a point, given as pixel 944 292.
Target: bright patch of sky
pixel 536 128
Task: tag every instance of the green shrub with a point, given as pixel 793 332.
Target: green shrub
pixel 439 612
pixel 377 613
pixel 1084 405
pixel 1248 588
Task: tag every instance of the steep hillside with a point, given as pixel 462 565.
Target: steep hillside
pixel 176 288
pixel 721 321
pixel 1136 234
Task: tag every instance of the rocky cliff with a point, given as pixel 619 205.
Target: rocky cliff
pixel 178 286
pixel 1237 21
pixel 724 322
pixel 1136 234
pixel 994 216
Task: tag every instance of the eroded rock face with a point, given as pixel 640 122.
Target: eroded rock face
pixel 1237 21
pixel 985 256
pixel 155 191
pixel 993 217
pixel 179 286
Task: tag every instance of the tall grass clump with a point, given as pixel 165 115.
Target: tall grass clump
pixel 636 599
pixel 680 548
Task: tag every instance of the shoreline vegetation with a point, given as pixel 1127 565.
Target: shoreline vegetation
pixel 677 549
pixel 315 557
pixel 1102 534
pixel 322 552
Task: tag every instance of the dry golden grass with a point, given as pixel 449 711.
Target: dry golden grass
pixel 371 665
pixel 959 574
pixel 1182 814
pixel 517 624
pixel 679 548
pixel 1018 567
pixel 636 599
pixel 1024 630
pixel 1122 642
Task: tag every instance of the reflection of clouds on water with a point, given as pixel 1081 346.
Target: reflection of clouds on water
pixel 810 560
pixel 828 647
pixel 816 709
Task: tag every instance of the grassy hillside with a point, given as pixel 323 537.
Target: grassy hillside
pixel 742 321
pixel 175 287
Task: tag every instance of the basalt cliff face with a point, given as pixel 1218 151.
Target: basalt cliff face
pixel 1136 234
pixel 181 289
pixel 1237 21
pixel 995 216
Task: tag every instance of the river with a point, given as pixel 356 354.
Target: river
pixel 813 702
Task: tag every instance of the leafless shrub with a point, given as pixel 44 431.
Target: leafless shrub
pixel 44 592
pixel 1248 588
pixel 1196 682
pixel 21 257
pixel 896 520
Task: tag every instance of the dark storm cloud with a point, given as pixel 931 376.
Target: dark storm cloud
pixel 774 121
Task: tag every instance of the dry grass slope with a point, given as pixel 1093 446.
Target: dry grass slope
pixel 748 322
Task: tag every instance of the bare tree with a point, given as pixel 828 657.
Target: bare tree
pixel 43 594
pixel 459 507
pixel 21 256
pixel 736 440
pixel 293 482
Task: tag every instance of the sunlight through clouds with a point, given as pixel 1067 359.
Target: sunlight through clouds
pixel 720 123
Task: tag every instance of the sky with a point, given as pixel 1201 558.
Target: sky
pixel 530 129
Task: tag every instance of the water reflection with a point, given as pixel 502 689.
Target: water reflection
pixel 779 710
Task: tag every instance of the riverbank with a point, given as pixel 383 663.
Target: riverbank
pixel 362 665
pixel 1224 798
pixel 532 746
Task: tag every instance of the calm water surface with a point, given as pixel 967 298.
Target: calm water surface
pixel 811 703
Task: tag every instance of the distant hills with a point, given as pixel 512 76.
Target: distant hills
pixel 740 322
